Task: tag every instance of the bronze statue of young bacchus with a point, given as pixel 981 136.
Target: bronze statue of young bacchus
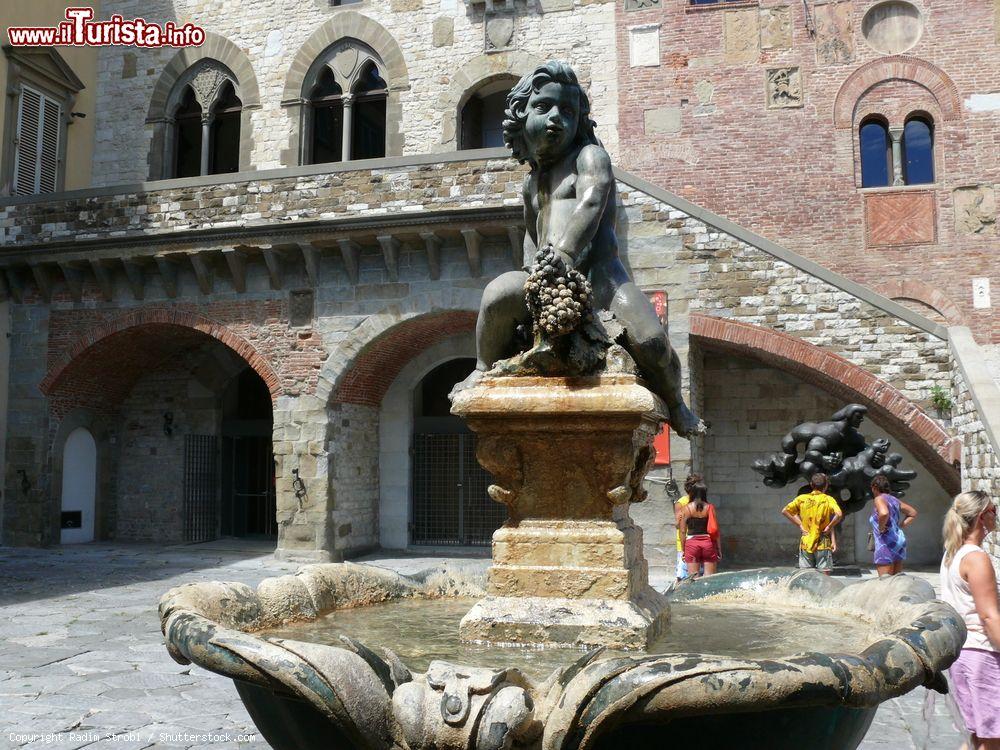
pixel 577 294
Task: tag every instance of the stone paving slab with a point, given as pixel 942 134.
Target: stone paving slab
pixel 82 662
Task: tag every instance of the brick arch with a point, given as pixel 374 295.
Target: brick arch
pixel 921 291
pixel 189 327
pixel 900 67
pixel 932 446
pixel 365 379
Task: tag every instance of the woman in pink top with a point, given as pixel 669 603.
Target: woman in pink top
pixel 969 584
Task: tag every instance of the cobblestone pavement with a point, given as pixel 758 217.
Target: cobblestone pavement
pixel 82 658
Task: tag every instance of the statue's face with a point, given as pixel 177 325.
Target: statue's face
pixel 553 116
pixel 856 419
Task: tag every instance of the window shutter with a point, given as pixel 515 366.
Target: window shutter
pixel 48 162
pixel 36 159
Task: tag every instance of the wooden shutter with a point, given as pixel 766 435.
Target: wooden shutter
pixel 36 159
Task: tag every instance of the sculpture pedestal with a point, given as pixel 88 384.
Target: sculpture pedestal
pixel 568 455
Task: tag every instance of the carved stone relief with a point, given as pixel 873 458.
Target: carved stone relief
pixel 834 33
pixel 742 35
pixel 784 88
pixel 775 28
pixel 892 27
pixel 300 307
pixel 206 84
pixel 705 92
pixel 499 33
pixel 644 46
pixel 975 210
pixel 641 4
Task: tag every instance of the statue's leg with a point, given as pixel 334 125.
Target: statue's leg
pixel 503 308
pixel 647 342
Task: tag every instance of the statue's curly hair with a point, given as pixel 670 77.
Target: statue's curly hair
pixel 554 71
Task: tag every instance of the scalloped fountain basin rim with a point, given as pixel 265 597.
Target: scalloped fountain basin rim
pixel 304 695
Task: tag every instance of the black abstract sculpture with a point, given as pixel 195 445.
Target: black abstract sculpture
pixel 840 451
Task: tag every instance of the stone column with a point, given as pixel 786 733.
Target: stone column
pixel 348 125
pixel 301 481
pixel 896 133
pixel 206 137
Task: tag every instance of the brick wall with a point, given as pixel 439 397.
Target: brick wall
pixel 698 123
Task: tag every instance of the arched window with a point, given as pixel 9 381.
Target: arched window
pixel 876 154
pixel 918 151
pixel 225 131
pixel 187 133
pixel 481 119
pixel 205 113
pixel 327 112
pixel 368 125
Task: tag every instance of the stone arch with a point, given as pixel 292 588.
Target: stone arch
pixel 348 24
pixel 920 291
pixel 159 317
pixel 901 67
pixel 231 58
pixel 370 351
pixel 921 435
pixel 470 76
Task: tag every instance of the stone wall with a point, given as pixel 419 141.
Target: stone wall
pixel 316 194
pixel 150 467
pixel 751 407
pixel 708 271
pixel 697 116
pixel 437 40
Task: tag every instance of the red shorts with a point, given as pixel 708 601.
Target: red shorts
pixel 700 549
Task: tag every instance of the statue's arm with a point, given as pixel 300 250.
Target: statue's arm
pixel 594 183
pixel 528 190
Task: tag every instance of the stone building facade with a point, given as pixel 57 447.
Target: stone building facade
pixel 192 328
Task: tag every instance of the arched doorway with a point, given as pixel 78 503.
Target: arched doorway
pixel 248 507
pixel 449 504
pixel 79 488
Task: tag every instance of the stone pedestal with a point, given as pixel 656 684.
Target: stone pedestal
pixel 568 455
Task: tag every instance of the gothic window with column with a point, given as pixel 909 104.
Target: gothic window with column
pixel 204 116
pixel 346 116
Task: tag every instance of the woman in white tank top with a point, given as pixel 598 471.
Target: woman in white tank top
pixel 969 584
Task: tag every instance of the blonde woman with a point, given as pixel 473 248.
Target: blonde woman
pixel 969 584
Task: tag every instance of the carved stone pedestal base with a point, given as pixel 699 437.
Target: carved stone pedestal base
pixel 569 455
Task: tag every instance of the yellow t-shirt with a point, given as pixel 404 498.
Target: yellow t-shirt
pixel 815 509
pixel 680 542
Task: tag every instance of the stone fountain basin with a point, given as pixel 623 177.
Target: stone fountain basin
pixel 307 695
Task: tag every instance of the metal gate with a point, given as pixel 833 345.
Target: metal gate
pixel 450 504
pixel 249 498
pixel 201 488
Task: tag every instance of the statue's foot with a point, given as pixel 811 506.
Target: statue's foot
pixel 684 422
pixel 473 379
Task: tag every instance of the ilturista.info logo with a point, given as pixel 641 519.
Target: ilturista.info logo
pixel 81 30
